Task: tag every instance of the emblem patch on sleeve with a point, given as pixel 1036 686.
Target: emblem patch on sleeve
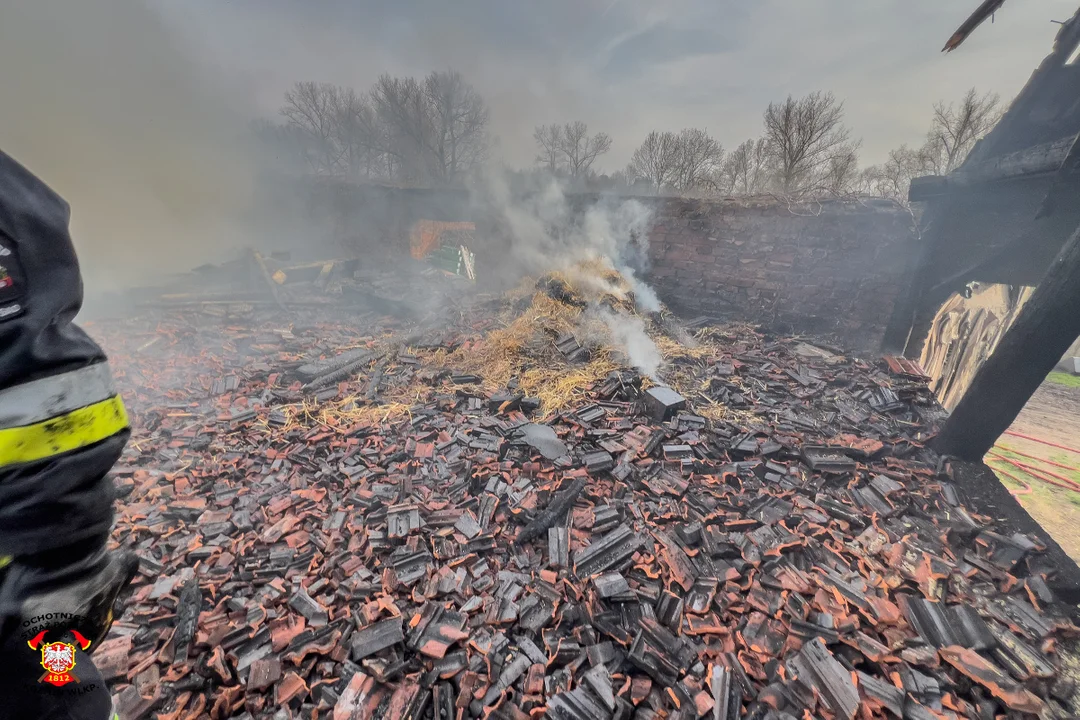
pixel 12 281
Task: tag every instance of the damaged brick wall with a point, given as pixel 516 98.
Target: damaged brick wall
pixel 836 268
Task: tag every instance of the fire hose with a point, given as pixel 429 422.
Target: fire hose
pixel 1042 442
pixel 1043 475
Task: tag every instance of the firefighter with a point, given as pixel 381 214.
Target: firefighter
pixel 62 427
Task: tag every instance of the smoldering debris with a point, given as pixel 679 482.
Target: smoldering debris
pixel 646 297
pixel 546 231
pixel 602 248
pixel 434 508
pixel 586 260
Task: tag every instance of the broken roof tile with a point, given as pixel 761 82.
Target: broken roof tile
pixel 448 546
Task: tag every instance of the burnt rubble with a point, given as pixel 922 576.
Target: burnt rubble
pixel 468 554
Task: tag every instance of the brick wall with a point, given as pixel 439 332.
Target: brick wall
pixel 836 268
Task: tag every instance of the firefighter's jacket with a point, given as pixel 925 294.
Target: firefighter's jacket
pixel 62 424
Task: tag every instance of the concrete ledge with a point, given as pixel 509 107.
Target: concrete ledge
pixel 1070 365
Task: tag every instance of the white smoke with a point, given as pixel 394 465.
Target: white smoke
pixel 619 230
pixel 548 233
pixel 628 333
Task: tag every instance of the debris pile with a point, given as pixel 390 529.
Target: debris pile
pixel 342 519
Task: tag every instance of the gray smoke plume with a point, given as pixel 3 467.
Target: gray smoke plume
pixel 102 102
pixel 551 230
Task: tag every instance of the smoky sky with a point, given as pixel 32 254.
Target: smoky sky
pixel 630 66
pixel 138 111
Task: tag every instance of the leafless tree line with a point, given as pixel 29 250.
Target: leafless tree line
pixel 686 162
pixel 807 150
pixel 434 130
pixel 415 131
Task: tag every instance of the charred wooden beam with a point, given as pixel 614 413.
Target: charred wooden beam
pixel 977 18
pixel 273 286
pixel 1044 159
pixel 1045 328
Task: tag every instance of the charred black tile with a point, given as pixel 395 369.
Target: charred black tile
pixel 598 461
pixel 815 667
pixel 315 613
pixel 827 459
pixel 660 653
pixel 669 610
pixel 578 704
pixel 662 403
pixel 376 637
pixel 612 586
pixel 611 551
pixel 559 546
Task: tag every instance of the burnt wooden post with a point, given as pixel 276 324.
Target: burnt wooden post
pixel 1043 331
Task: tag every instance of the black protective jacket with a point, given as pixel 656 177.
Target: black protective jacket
pixel 64 500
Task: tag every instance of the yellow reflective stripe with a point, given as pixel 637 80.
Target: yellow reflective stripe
pixel 38 400
pixel 63 433
pixel 5 560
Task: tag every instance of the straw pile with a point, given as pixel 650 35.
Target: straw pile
pixel 523 349
pixel 519 352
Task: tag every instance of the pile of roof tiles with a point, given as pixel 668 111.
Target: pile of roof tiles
pixel 629 558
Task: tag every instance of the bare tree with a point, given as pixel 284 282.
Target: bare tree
pixel 459 118
pixel 957 127
pixel 892 178
pixel 356 134
pixel 840 174
pixel 803 137
pixel 657 160
pixel 436 129
pixel 310 107
pixel 622 179
pixel 580 150
pixel 746 169
pixel 698 158
pixel 548 147
pixel 402 111
pixel 411 130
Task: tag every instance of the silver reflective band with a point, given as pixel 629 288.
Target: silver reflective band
pixel 39 400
